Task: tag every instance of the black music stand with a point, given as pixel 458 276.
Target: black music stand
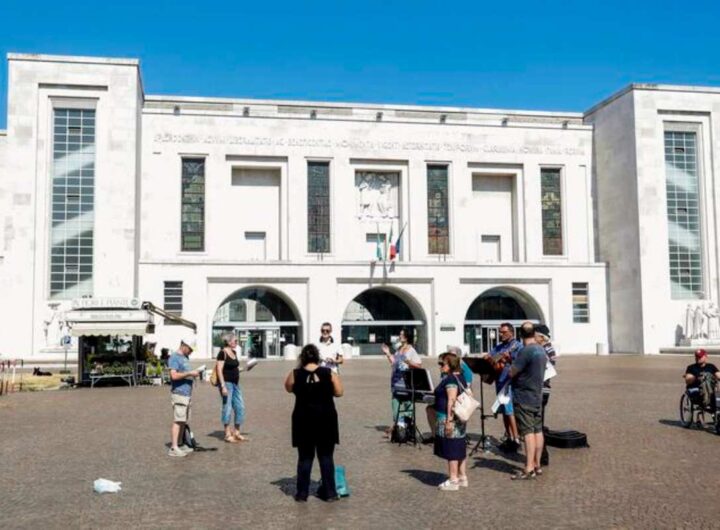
pixel 482 367
pixel 418 383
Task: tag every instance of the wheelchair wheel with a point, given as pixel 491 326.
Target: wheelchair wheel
pixel 686 411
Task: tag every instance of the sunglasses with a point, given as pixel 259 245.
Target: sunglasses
pixel 325 330
pixel 441 364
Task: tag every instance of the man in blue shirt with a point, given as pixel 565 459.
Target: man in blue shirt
pixel 181 380
pixel 507 350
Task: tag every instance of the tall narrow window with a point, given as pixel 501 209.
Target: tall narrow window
pixel 193 204
pixel 683 215
pixel 318 205
pixel 580 303
pixel 173 299
pixel 551 202
pixel 73 203
pixel 438 222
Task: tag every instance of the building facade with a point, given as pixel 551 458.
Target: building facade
pixel 271 217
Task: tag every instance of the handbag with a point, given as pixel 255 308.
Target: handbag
pixel 214 380
pixel 465 404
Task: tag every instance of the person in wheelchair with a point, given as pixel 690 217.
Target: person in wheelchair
pixel 700 392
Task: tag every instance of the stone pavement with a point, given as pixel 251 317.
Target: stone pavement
pixel 642 470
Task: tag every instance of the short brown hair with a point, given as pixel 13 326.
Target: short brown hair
pixel 452 360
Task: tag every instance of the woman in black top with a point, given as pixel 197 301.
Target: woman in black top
pixel 314 421
pixel 228 371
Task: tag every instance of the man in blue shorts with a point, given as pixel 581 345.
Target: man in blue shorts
pixel 507 350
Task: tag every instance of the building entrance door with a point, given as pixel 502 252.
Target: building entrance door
pixel 259 343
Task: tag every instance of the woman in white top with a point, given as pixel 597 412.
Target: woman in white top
pixel 330 354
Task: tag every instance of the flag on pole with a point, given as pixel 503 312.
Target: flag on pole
pixel 378 248
pixel 388 244
pixel 395 248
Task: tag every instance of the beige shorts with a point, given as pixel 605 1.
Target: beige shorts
pixel 181 408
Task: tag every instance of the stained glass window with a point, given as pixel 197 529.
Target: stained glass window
pixel 193 204
pixel 437 200
pixel 683 214
pixel 73 203
pixel 318 201
pixel 551 202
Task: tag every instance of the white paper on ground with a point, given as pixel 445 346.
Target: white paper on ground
pixel 103 485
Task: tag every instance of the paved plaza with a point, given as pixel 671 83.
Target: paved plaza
pixel 642 471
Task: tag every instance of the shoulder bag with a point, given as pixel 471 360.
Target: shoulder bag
pixel 465 403
pixel 214 379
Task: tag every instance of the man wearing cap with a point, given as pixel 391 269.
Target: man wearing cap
pixel 181 380
pixel 694 374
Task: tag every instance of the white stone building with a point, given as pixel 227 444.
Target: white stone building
pixel 266 217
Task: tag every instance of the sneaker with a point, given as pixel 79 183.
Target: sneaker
pixel 176 451
pixel 463 482
pixel 449 485
pixel 186 449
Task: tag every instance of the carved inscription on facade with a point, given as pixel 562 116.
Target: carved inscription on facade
pixel 364 145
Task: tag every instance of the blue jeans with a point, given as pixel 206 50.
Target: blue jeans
pixel 233 402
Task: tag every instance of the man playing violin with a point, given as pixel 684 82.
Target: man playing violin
pixel 502 355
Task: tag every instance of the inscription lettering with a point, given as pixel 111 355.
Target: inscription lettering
pixel 366 145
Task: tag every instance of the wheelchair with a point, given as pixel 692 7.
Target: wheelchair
pixel 693 412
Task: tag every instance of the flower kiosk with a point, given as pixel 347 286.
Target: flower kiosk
pixel 110 335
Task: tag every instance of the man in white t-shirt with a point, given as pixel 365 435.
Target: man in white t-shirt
pixel 330 353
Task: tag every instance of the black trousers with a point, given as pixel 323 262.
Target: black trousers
pixel 306 455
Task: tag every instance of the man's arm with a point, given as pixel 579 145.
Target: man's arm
pixel 176 375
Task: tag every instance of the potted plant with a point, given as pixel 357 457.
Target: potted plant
pixel 154 372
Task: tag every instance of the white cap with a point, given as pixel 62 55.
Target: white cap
pixel 189 341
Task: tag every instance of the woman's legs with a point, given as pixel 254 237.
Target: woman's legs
pixel 453 470
pixel 462 468
pixel 306 455
pixel 226 411
pixel 238 405
pixel 327 472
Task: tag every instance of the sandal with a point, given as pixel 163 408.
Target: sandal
pixel 240 438
pixel 522 475
pixel 538 471
pixel 231 440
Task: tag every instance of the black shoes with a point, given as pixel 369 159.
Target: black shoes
pixel 300 498
pixel 327 498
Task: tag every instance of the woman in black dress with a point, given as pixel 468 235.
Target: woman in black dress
pixel 314 421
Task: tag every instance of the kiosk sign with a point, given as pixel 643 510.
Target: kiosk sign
pixel 106 303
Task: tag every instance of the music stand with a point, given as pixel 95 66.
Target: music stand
pixel 418 383
pixel 482 367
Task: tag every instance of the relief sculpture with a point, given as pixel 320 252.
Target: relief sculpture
pixel 377 195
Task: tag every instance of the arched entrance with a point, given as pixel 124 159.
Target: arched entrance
pixel 492 308
pixel 376 316
pixel 264 321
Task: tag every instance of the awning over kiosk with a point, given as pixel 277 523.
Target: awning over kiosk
pixel 109 328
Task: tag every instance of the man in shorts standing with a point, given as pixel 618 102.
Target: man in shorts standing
pixel 181 380
pixel 527 373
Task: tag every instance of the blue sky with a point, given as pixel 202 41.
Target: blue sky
pixel 546 55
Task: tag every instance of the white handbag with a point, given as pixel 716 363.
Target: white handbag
pixel 465 404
